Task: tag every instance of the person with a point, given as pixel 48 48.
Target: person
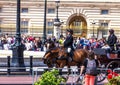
pixel 106 47
pixel 68 44
pixel 112 39
pixel 89 68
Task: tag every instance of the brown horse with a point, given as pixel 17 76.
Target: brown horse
pixel 51 57
pixel 78 57
pixel 58 57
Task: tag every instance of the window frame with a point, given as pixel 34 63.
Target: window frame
pixel 0 9
pixel 52 10
pixel 24 11
pixel 104 11
pixel 50 23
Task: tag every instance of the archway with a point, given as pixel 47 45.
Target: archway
pixel 78 24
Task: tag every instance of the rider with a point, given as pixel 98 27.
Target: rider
pixel 68 43
pixel 112 40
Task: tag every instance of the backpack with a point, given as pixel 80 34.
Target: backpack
pixel 91 68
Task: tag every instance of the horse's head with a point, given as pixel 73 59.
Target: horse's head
pixel 50 57
pixel 50 45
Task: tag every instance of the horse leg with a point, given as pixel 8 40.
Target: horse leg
pixel 59 69
pixel 62 64
pixel 69 70
pixel 78 66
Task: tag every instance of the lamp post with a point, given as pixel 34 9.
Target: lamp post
pixel 57 22
pixel 44 28
pixel 93 23
pixel 18 47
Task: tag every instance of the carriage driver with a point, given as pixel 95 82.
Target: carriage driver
pixel 68 44
pixel 112 40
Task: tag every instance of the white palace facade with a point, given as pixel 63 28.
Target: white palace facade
pixel 87 18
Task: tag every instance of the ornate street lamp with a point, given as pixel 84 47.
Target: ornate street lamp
pixel 57 22
pixel 18 47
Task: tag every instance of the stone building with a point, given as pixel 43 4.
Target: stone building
pixel 88 18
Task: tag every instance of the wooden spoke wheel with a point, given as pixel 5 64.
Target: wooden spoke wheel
pixel 101 75
pixel 113 64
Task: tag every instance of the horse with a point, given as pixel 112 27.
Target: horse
pixel 79 55
pixel 50 45
pixel 51 57
pixel 59 58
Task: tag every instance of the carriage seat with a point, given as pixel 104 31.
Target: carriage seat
pixel 114 54
pixel 99 51
pixel 103 52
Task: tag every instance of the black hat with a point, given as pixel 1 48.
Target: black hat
pixel 70 30
pixel 111 31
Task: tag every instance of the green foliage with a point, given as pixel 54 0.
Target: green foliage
pixel 114 81
pixel 50 78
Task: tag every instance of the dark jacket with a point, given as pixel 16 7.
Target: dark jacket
pixel 68 42
pixel 112 39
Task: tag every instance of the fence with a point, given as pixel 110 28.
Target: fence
pixel 30 70
pixel 72 79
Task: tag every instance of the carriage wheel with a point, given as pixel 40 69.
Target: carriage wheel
pixel 113 64
pixel 101 75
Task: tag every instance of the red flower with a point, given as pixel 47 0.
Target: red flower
pixel 109 76
pixel 115 74
pixel 109 71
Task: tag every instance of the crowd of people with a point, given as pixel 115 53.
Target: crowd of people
pixel 35 43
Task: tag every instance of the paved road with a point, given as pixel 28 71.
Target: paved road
pixel 15 80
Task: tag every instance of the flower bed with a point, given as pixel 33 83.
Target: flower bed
pixel 50 78
pixel 113 78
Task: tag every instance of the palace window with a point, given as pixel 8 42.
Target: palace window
pixel 24 30
pixel 24 10
pixel 104 24
pixel 51 10
pixel 24 23
pixel 50 23
pixel 0 9
pixel 104 11
pixel 50 31
pixel 24 26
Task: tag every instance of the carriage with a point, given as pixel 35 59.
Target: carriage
pixel 106 63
